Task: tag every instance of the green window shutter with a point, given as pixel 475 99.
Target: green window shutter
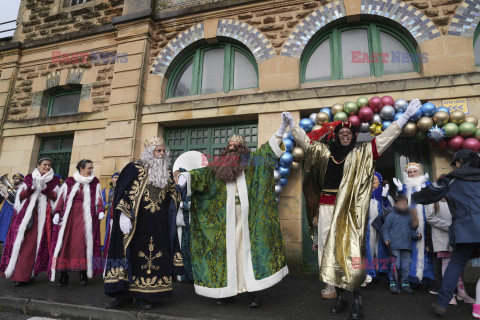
pixel 406 151
pixel 59 149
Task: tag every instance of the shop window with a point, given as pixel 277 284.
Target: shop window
pixel 361 50
pixel 63 103
pixel 59 149
pixel 476 46
pixel 212 69
pixel 208 140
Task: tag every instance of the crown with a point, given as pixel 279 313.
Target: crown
pixel 414 165
pixel 153 142
pixel 237 138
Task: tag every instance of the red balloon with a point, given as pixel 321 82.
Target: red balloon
pixel 471 144
pixel 387 101
pixel 455 143
pixel 442 145
pixel 376 104
pixel 365 114
pixel 355 121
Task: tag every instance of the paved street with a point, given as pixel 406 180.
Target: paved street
pixel 297 297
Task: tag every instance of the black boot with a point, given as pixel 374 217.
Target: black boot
pixel 83 278
pixel 252 300
pixel 340 305
pixel 118 303
pixel 144 304
pixel 19 284
pixel 357 309
pixel 63 281
pixel 223 301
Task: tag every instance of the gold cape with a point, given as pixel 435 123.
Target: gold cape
pixel 345 246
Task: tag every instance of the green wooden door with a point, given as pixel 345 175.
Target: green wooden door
pixel 208 140
pixel 59 149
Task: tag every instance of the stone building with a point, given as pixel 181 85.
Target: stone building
pixel 94 78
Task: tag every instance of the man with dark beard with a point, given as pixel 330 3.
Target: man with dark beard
pixel 237 245
pixel 144 252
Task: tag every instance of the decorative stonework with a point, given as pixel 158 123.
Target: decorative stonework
pixel 74 76
pixel 86 91
pixel 252 38
pixel 304 31
pixel 466 19
pixel 53 80
pixel 419 26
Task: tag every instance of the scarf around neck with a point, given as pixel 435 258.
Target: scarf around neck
pixel 47 177
pixel 81 179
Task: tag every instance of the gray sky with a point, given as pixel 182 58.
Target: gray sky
pixel 8 12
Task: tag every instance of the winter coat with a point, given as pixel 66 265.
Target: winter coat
pixel 397 229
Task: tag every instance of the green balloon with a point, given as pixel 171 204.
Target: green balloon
pixel 350 108
pixel 467 129
pixel 362 102
pixel 340 116
pixel 451 130
pixel 420 135
pixel 477 134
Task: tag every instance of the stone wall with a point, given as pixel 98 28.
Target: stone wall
pixel 439 11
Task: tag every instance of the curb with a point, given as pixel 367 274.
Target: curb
pixel 58 309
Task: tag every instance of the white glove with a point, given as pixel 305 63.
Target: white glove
pixel 125 223
pixel 101 215
pixel 181 205
pixel 398 184
pixel 35 183
pixel 427 177
pixel 182 181
pixel 287 117
pixel 385 191
pixel 286 121
pixel 42 184
pixel 56 219
pixel 412 108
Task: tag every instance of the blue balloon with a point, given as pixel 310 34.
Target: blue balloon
pixel 306 124
pixel 428 109
pixel 327 111
pixel 283 182
pixel 284 172
pixel 286 159
pixel 397 116
pixel 417 115
pixel 386 124
pixel 444 109
pixel 288 144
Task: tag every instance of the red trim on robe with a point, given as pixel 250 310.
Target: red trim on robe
pixel 376 156
pixel 328 198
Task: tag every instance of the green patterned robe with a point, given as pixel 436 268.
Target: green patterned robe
pixel 213 227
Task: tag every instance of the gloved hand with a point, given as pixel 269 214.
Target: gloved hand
pixel 56 219
pixel 287 117
pixel 42 184
pixel 385 191
pixel 398 184
pixel 101 215
pixel 427 176
pixel 286 121
pixel 35 183
pixel 412 108
pixel 182 181
pixel 125 223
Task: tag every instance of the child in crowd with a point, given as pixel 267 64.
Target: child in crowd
pixel 397 233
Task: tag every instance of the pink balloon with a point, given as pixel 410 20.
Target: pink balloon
pixel 455 143
pixel 355 121
pixel 442 145
pixel 376 104
pixel 387 101
pixel 365 114
pixel 471 144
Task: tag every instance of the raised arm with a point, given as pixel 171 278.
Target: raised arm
pixel 433 192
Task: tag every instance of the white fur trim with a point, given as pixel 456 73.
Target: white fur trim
pixel 188 177
pixel 19 205
pixel 373 240
pixel 81 179
pixel 87 219
pixel 275 147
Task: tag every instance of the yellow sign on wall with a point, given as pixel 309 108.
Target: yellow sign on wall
pixel 456 104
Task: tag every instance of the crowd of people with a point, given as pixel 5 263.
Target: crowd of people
pixel 218 227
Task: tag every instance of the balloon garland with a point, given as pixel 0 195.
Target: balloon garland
pixel 446 130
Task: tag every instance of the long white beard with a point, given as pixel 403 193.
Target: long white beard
pixel 158 173
pixel 415 183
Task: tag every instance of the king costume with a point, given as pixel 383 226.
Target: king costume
pixel 237 244
pixel 141 263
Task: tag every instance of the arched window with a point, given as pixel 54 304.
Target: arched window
pixel 360 50
pixel 63 100
pixel 213 68
pixel 476 46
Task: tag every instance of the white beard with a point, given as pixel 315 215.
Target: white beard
pixel 158 173
pixel 415 183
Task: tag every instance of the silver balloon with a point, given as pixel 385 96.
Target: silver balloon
pixel 278 189
pixel 313 117
pixel 276 176
pixel 387 112
pixel 376 118
pixel 278 200
pixel 400 105
pixel 364 127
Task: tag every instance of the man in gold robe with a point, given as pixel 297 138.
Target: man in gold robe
pixel 337 186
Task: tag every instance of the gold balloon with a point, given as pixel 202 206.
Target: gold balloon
pixel 295 166
pixel 424 123
pixel 337 108
pixel 322 117
pixel 376 129
pixel 316 127
pixel 298 154
pixel 441 118
pixel 472 119
pixel 457 117
pixel 410 129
